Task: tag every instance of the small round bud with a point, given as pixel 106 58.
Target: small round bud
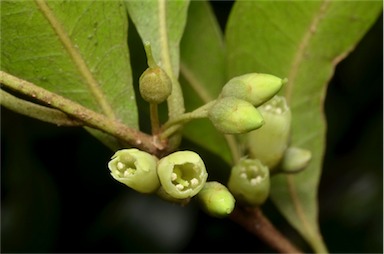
pixel 249 182
pixel 295 159
pixel 256 88
pixel 268 143
pixel 155 86
pixel 216 200
pixel 136 169
pixel 231 115
pixel 182 174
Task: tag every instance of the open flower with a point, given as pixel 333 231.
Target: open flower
pixel 182 174
pixel 269 142
pixel 136 169
pixel 249 182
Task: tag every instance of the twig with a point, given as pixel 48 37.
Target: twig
pixel 253 220
pixel 89 117
pixel 37 111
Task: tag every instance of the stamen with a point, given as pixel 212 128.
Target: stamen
pixel 194 182
pixel 120 165
pixel 179 186
pixel 256 180
pixel 243 175
pixel 173 176
pixel 268 107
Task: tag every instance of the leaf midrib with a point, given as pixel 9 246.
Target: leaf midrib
pixel 91 82
pixel 295 66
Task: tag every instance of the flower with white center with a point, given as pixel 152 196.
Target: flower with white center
pixel 268 143
pixel 182 174
pixel 249 182
pixel 136 169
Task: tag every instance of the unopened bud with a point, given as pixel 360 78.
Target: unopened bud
pixel 256 88
pixel 216 200
pixel 295 159
pixel 155 86
pixel 231 115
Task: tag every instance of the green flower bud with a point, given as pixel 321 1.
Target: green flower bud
pixel 231 115
pixel 136 169
pixel 295 159
pixel 182 174
pixel 216 200
pixel 268 143
pixel 155 86
pixel 256 88
pixel 249 182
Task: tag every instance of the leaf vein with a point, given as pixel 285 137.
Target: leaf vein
pixel 76 57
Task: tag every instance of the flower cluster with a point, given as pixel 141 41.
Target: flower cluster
pixel 247 104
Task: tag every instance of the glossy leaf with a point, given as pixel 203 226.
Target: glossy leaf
pixel 33 48
pixel 303 41
pixel 77 49
pixel 202 72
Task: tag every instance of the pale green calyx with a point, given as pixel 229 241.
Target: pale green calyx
pixel 182 174
pixel 216 200
pixel 231 115
pixel 256 88
pixel 155 86
pixel 136 169
pixel 295 159
pixel 249 182
pixel 269 143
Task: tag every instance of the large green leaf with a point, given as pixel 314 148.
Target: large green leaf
pixel 303 41
pixel 203 74
pixel 77 49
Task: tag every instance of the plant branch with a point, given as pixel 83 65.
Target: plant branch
pixel 154 116
pixel 88 117
pixel 37 111
pixel 253 220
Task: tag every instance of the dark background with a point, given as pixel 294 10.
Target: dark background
pixel 57 194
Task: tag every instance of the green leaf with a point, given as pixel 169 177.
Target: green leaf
pixel 303 41
pixel 202 72
pixel 77 49
pixel 161 23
